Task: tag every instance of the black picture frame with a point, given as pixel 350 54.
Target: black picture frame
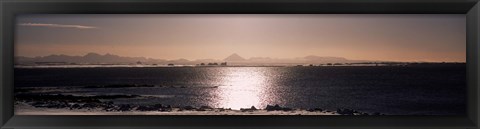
pixel 11 8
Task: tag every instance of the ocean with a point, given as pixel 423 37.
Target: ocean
pixel 391 90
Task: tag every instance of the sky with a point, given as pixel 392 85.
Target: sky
pixel 397 37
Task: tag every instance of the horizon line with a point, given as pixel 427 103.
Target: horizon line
pixel 367 60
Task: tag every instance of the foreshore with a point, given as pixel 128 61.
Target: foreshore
pixel 40 108
pixel 27 109
pixel 28 103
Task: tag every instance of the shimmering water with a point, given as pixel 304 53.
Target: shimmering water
pixel 388 90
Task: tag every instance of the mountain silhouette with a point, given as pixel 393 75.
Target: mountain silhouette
pixel 318 59
pixel 234 58
pixel 86 59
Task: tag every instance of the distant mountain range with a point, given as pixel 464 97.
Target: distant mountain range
pixel 94 58
pixel 234 58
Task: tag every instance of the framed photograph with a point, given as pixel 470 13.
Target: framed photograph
pixel 237 64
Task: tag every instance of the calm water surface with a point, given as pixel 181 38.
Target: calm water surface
pixel 388 90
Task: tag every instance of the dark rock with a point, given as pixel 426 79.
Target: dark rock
pixel 146 108
pixel 251 109
pixel 287 109
pixel 165 109
pixel 277 108
pixel 206 107
pixel 269 108
pixel 315 110
pixel 75 106
pixel 188 108
pixel 345 111
pixel 124 107
pixel 158 106
pixel 89 105
pixel 108 106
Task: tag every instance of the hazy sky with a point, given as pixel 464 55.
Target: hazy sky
pixel 432 37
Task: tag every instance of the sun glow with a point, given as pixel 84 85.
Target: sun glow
pixel 243 88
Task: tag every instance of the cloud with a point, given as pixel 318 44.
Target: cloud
pixel 57 25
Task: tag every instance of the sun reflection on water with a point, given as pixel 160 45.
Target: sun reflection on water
pixel 243 88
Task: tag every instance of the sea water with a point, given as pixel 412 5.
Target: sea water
pixel 392 90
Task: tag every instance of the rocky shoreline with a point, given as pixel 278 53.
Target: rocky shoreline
pixel 70 103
